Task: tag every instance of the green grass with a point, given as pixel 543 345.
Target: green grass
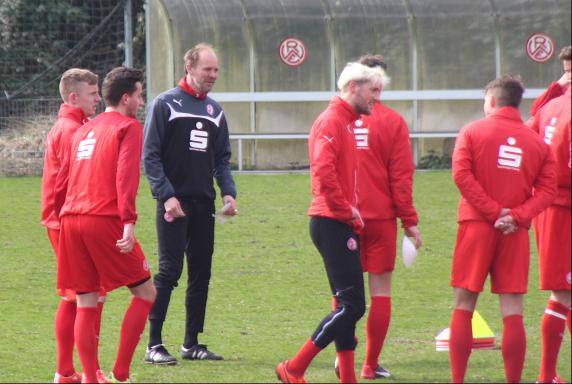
pixel 268 292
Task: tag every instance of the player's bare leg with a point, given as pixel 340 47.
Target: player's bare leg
pixel 514 336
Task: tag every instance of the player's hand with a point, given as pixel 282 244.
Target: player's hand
pixel 357 217
pixel 231 210
pixel 173 209
pixel 414 232
pixel 126 244
pixel 506 225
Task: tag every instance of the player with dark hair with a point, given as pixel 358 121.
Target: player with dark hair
pixel 497 162
pixel 186 145
pixel 552 122
pixel 335 220
pixel 385 181
pixel 97 242
pixel 79 90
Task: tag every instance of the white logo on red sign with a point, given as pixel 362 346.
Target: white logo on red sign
pixel 210 109
pixel 540 47
pixel 352 244
pixel 292 51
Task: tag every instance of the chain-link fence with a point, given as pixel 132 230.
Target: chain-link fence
pixel 39 40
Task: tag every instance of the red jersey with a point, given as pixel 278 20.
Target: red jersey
pixel 554 90
pixel 496 164
pixel 552 122
pixel 386 167
pixel 333 162
pixel 104 168
pixel 58 144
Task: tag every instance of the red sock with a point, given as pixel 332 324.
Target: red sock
pixel 376 328
pixel 553 324
pixel 569 323
pixel 346 366
pixel 133 326
pixel 334 303
pixel 64 324
pixel 513 347
pixel 86 342
pixel 460 343
pixel 299 363
pixel 98 329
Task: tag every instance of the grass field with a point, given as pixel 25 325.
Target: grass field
pixel 268 292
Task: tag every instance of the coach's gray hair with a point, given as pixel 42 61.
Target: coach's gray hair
pixel 361 73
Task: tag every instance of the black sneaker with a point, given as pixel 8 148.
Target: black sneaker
pixel 199 352
pixel 159 355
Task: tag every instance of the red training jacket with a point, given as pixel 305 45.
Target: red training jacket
pixel 385 178
pixel 333 163
pixel 497 162
pixel 58 144
pixel 554 90
pixel 104 168
pixel 552 122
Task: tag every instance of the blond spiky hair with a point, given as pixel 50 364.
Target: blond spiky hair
pixel 360 73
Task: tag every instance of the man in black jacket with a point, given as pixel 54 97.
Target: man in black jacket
pixel 186 143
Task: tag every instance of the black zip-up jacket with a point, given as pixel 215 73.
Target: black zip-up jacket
pixel 186 144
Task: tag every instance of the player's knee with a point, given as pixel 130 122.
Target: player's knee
pixel 353 302
pixel 167 279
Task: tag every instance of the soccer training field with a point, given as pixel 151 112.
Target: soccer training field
pixel 268 292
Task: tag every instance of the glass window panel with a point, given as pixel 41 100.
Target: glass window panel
pixel 272 22
pixel 518 21
pixel 373 27
pixel 160 66
pixel 287 117
pixel 220 23
pixel 456 44
pixel 237 117
pixel 448 116
pixel 282 154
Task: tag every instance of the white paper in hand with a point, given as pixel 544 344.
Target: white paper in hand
pixel 221 216
pixel 408 251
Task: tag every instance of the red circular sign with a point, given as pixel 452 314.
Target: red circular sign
pixel 540 47
pixel 292 51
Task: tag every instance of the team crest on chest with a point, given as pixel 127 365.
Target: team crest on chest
pixel 210 109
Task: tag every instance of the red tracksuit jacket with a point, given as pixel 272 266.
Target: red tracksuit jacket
pixel 385 177
pixel 58 143
pixel 552 122
pixel 333 163
pixel 104 168
pixel 496 164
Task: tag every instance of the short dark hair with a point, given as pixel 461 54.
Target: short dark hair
pixel 119 81
pixel 566 53
pixel 373 61
pixel 507 90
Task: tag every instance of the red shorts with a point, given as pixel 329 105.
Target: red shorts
pixel 68 294
pixel 480 249
pixel 378 246
pixel 552 229
pixel 89 258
